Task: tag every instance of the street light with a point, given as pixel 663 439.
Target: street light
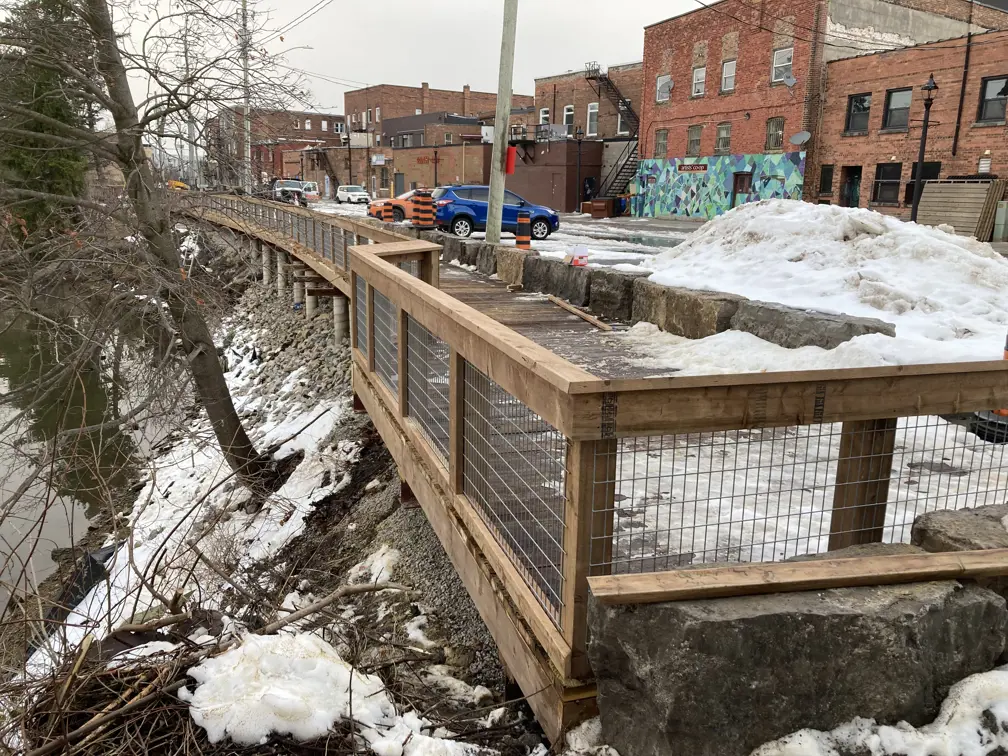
pixel 929 90
pixel 579 135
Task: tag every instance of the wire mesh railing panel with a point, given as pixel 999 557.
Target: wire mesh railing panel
pixel 427 380
pixel 412 267
pixel 514 474
pixel 324 236
pixel 386 342
pixel 360 316
pixel 303 231
pixel 339 257
pixel 771 494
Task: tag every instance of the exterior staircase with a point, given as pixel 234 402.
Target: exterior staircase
pixel 616 181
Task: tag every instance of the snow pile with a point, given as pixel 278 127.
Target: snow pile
pixel 377 568
pixel 973 721
pixel 583 740
pixel 943 292
pixel 298 685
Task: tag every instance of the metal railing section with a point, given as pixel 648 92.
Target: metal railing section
pixel 427 386
pixel 360 316
pixel 514 474
pixel 771 494
pixel 386 341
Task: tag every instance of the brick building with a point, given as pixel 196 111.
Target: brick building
pixel 273 132
pixel 573 100
pixel 867 143
pixel 732 92
pixel 366 108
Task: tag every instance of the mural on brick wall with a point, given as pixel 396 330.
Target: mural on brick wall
pixel 704 186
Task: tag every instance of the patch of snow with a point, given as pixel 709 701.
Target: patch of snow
pixel 457 264
pixel 414 631
pixel 377 568
pixel 586 740
pixel 971 723
pixel 440 676
pixel 944 293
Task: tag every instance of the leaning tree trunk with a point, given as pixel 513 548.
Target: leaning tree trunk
pixel 153 216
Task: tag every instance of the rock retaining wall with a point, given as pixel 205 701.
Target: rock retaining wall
pixel 632 298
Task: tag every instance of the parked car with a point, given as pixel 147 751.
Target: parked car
pixel 288 191
pixel 352 193
pixel 311 191
pixel 463 209
pixel 402 206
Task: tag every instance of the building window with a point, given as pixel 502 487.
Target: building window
pixel 377 114
pixel 353 118
pixel 699 81
pixel 858 111
pixel 384 177
pixel 661 143
pixel 728 76
pixel 693 140
pixel 621 126
pixel 663 88
pixel 826 179
pixel 568 119
pixel 297 124
pixel 447 138
pixel 722 146
pixel 325 125
pixel 993 98
pixel 369 117
pixel 307 124
pixel 984 166
pixel 407 140
pixel 782 60
pixel 775 133
pixel 418 111
pixel 544 115
pixel 592 129
pixel 930 173
pixel 377 140
pixel 887 183
pixel 897 109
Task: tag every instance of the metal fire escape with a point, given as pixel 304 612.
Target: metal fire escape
pixel 616 181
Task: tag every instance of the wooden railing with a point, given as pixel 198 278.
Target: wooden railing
pixel 529 467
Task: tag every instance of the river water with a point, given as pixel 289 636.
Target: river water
pixel 89 474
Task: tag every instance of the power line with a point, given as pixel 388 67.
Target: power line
pixel 299 20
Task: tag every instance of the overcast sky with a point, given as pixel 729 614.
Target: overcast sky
pixel 449 44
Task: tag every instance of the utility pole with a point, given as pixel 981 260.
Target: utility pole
pixel 193 171
pixel 247 151
pixel 504 83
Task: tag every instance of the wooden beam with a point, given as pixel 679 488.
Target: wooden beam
pixel 862 482
pixel 327 291
pixel 579 312
pixel 780 577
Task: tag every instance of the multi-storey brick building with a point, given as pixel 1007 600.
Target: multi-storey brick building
pixel 366 108
pixel 867 142
pixel 732 92
pixel 572 99
pixel 273 132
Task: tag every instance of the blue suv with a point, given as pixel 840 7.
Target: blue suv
pixel 463 209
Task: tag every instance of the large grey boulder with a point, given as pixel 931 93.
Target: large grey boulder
pixel 486 259
pixel 722 676
pixel 792 328
pixel 611 293
pixel 690 313
pixel 553 277
pixel 511 264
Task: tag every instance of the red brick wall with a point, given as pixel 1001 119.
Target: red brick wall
pixel 909 68
pixel 730 29
pixel 417 164
pixel 398 101
pixel 961 10
pixel 555 92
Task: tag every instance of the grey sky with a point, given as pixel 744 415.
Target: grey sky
pixel 449 44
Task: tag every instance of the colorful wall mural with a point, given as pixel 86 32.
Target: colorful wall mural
pixel 705 186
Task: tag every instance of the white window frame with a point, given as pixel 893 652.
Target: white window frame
pixel 719 139
pixel 447 137
pixel 592 108
pixel 369 117
pixel 544 116
pixel 307 124
pixel 377 140
pixel 418 111
pixel 325 125
pixel 774 78
pixel 377 113
pixel 699 82
pixel 568 119
pixel 297 124
pixel 661 81
pixel 621 127
pixel 725 75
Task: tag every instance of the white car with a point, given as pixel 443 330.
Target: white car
pixel 353 194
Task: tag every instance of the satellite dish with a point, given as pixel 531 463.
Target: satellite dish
pixel 790 80
pixel 800 138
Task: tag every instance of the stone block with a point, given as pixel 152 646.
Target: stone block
pixel 698 314
pixel 649 302
pixel 469 252
pixel 553 277
pixel 611 293
pixel 722 676
pixel 976 529
pixel 511 264
pixel 486 259
pixel 792 328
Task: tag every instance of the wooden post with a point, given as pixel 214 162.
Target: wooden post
pixel 862 482
pixel 456 420
pixel 403 364
pixel 370 329
pixel 588 521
